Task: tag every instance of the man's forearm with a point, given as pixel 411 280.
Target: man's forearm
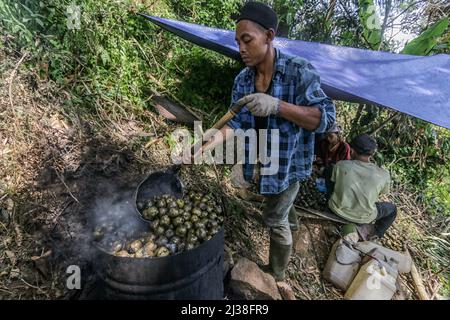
pixel 305 117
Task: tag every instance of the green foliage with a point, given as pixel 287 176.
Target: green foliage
pixel 427 40
pixel 437 195
pixel 286 11
pixel 117 58
pixel 22 20
pixel 206 80
pixel 214 13
pixel 418 154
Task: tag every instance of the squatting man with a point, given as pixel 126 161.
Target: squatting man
pixel 283 93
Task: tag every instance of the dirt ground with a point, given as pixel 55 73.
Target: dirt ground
pixel 55 164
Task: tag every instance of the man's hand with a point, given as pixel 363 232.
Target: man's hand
pixel 260 104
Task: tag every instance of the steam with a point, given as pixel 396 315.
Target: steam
pixel 115 218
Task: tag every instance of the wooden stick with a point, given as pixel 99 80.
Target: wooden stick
pixel 235 109
pixel 437 287
pixel 417 279
pixel 384 123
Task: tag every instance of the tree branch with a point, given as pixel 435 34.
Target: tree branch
pixel 384 123
pixel 387 11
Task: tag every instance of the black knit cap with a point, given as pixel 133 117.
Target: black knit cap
pixel 364 144
pixel 260 13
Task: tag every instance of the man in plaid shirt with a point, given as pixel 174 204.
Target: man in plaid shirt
pixel 278 92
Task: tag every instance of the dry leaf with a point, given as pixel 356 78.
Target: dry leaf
pixel 12 256
pixel 15 273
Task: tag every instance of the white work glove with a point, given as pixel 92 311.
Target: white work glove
pixel 260 104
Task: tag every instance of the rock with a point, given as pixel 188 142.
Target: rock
pixel 250 283
pixel 286 291
pixel 228 262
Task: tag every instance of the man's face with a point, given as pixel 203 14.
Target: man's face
pixel 253 42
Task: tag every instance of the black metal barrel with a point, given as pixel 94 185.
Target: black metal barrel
pixel 192 274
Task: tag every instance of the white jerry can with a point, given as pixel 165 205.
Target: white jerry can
pixel 404 260
pixel 374 281
pixel 342 265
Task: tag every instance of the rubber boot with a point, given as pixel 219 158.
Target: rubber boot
pixel 293 219
pixel 279 255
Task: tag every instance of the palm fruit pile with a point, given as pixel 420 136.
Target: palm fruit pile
pixel 394 239
pixel 310 197
pixel 143 247
pixel 175 225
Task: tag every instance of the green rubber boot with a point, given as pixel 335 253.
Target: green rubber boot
pixel 279 255
pixel 293 219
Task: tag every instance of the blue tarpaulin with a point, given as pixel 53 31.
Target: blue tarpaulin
pixel 414 85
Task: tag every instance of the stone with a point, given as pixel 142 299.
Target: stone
pixel 228 262
pixel 286 291
pixel 251 283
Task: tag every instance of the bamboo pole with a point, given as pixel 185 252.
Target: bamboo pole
pixel 417 279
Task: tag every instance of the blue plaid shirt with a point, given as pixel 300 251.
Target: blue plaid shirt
pixel 297 82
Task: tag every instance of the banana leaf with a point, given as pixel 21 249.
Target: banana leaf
pixel 425 42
